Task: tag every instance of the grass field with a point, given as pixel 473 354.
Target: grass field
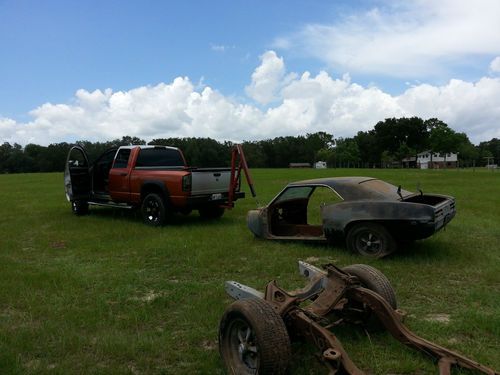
pixel 105 294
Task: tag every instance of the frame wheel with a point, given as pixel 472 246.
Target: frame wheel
pixel 374 280
pixel 370 239
pixel 153 210
pixel 253 339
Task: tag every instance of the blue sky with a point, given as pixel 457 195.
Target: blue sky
pixel 73 70
pixel 53 48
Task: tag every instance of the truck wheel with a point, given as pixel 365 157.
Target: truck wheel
pixel 253 339
pixel 80 208
pixel 370 239
pixel 211 212
pixel 374 280
pixel 153 210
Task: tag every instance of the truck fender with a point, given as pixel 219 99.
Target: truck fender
pixel 154 186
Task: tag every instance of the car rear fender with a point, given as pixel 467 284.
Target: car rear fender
pixel 337 217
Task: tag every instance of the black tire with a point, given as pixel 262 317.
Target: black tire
pixel 253 339
pixel 153 210
pixel 374 280
pixel 211 212
pixel 371 240
pixel 80 208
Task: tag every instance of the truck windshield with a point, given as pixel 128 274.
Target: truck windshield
pixel 159 157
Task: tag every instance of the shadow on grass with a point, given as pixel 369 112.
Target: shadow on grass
pixel 423 250
pixel 134 216
pixel 418 251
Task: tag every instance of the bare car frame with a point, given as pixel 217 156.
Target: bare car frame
pixel 372 216
pixel 255 330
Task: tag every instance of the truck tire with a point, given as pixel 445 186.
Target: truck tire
pixel 153 210
pixel 374 280
pixel 80 208
pixel 371 240
pixel 253 339
pixel 211 212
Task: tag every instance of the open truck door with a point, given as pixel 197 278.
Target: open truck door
pixel 77 184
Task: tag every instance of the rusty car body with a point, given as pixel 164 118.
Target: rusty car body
pixel 371 215
pixel 255 330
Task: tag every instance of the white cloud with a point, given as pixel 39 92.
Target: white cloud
pixel 268 79
pixel 495 65
pixel 302 104
pixel 407 39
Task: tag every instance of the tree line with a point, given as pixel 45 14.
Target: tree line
pixel 387 144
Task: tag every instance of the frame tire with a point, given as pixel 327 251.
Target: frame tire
pixel 253 339
pixel 374 280
pixel 371 240
pixel 154 210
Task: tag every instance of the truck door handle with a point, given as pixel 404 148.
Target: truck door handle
pixel 123 174
pixel 216 174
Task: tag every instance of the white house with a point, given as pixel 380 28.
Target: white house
pixel 430 160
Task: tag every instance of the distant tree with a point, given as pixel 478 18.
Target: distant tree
pixel 128 141
pixel 492 146
pixel 391 134
pixel 200 152
pixel 467 152
pixel 347 152
pixel 55 156
pixel 327 155
pixel 386 159
pixel 444 140
pixel 254 154
pixel 370 150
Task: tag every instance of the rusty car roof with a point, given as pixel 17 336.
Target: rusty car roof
pixel 354 188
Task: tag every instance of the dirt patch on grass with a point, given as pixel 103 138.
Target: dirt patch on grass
pixel 439 318
pixel 149 297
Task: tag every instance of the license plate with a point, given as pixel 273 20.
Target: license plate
pixel 216 197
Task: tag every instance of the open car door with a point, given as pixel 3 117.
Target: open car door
pixel 77 175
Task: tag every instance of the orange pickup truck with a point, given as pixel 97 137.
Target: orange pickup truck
pixel 155 179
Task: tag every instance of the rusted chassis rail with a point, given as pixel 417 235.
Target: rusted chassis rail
pixel 333 291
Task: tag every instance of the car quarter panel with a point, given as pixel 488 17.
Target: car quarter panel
pixel 337 217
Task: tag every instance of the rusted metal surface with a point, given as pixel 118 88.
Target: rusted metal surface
pixel 404 216
pixel 329 294
pixel 238 164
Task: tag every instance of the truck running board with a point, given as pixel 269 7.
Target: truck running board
pixel 111 204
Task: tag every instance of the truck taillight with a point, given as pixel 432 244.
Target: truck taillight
pixel 186 182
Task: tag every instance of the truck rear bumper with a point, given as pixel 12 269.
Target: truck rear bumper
pixel 215 199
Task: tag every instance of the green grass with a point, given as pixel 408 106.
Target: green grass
pixel 106 294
